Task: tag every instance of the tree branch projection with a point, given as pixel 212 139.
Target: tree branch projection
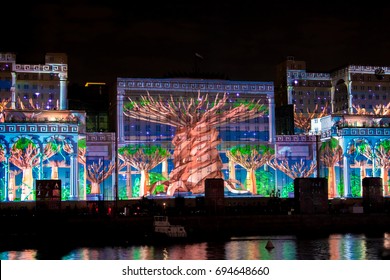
pixel 3 106
pixel 330 154
pixel 2 153
pixel 303 121
pixel 195 156
pixel 25 155
pixel 251 158
pixel 381 156
pixel 143 158
pixel 96 174
pixel 297 170
pixel 380 110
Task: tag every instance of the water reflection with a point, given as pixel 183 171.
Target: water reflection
pixel 332 247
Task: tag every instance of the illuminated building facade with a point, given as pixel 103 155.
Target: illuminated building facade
pixel 346 90
pixel 38 86
pixel 351 148
pixel 195 129
pixel 250 131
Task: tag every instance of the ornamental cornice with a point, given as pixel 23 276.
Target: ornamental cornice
pixel 21 68
pixel 301 74
pixel 211 86
pixel 101 137
pixel 38 128
pixel 295 138
pixel 380 131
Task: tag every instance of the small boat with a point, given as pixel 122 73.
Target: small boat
pixel 163 227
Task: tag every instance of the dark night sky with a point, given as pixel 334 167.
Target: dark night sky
pixel 242 40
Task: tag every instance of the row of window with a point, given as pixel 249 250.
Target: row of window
pixel 308 101
pixel 321 93
pixel 369 97
pixel 369 77
pixel 37 76
pixel 377 88
pixel 34 87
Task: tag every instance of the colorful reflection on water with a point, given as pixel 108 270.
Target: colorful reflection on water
pixel 289 247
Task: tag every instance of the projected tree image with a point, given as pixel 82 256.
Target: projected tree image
pixel 251 158
pixel 2 153
pixel 25 154
pixel 296 170
pixel 55 164
pixel 381 155
pixel 359 149
pixel 195 156
pixel 82 159
pixel 379 109
pixel 303 121
pixel 144 158
pixel 331 153
pixel 3 105
pixel 97 173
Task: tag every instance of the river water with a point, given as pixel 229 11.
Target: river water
pixel 286 247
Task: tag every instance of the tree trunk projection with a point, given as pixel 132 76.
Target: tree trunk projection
pixel 385 179
pixel 81 158
pixel 251 158
pixel 232 170
pixel 381 156
pixel 142 158
pixel 195 156
pixel 97 173
pixel 12 184
pixel 129 185
pixel 26 155
pixel 144 183
pixel 330 154
pixel 27 184
pixel 55 164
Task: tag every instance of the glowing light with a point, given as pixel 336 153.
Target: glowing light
pixel 37 93
pixel 94 83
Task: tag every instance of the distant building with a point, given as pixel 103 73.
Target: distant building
pixel 344 90
pixel 93 98
pixel 34 86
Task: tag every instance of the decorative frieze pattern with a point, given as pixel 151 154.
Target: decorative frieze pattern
pixel 38 128
pixel 101 137
pixel 307 76
pixel 295 138
pixel 365 131
pixel 195 85
pixel 41 68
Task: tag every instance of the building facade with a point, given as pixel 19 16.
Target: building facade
pixel 154 132
pixel 34 86
pixel 346 90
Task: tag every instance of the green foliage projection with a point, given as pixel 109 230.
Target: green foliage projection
pixel 264 182
pixel 248 149
pixel 146 149
pixel 288 188
pixel 82 143
pixel 22 143
pixel 355 185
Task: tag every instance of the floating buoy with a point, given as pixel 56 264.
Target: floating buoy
pixel 269 245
